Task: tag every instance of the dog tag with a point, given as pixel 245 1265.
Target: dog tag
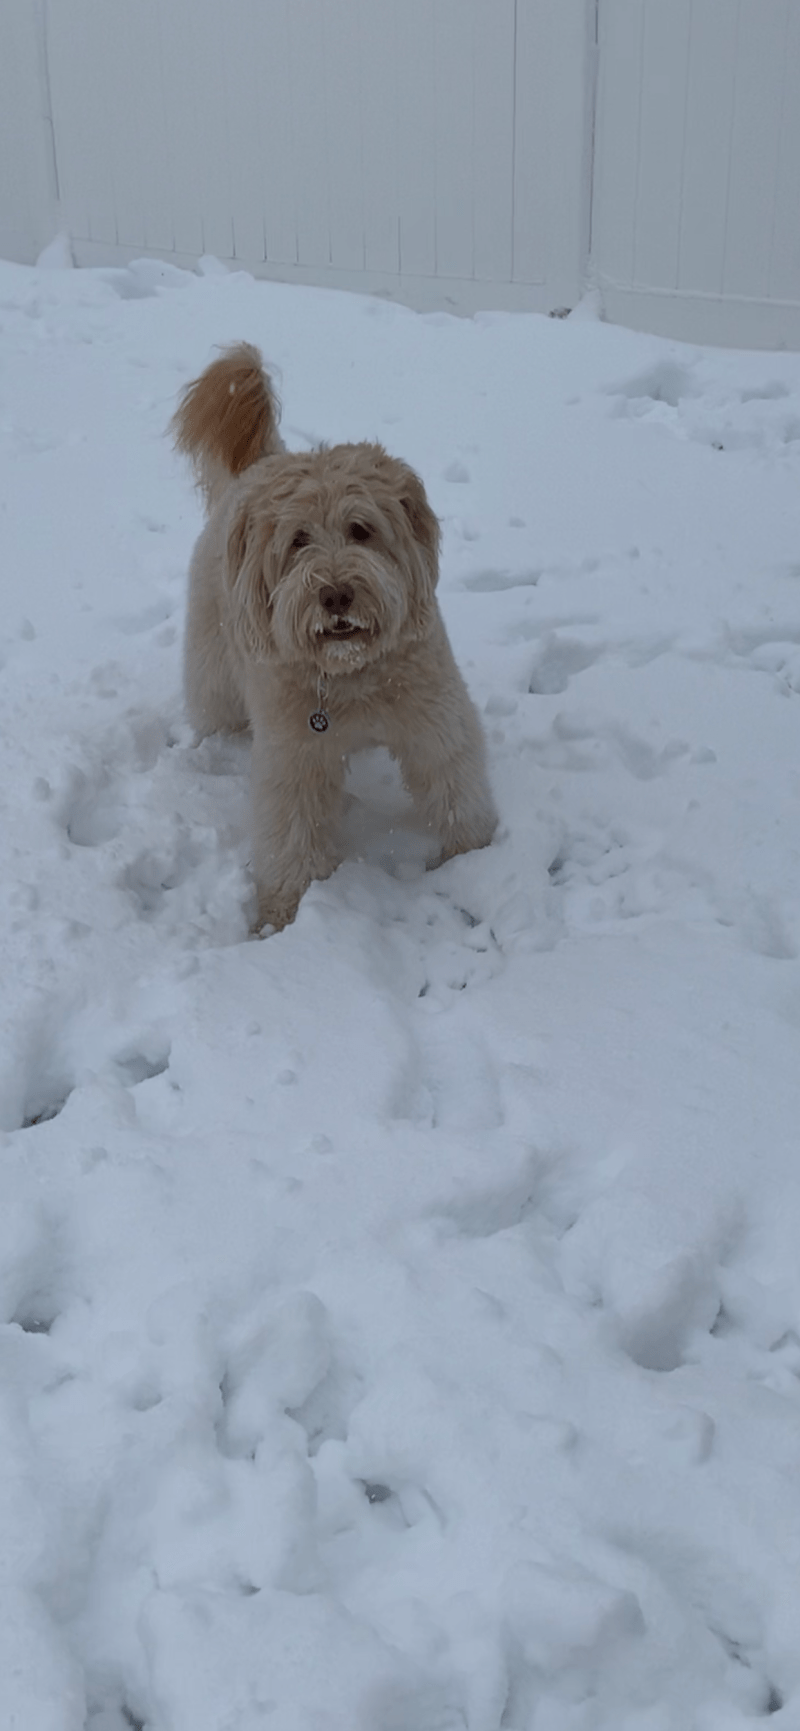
pixel 319 720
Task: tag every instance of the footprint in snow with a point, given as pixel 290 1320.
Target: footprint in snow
pixel 491 581
pixel 95 805
pixel 749 418
pixel 558 660
pixel 457 949
pixel 94 810
pixel 457 472
pixel 32 1284
pixel 639 757
pixel 135 624
pixel 772 649
pixel 667 382
pixel 156 871
pixel 45 1077
pixel 607 877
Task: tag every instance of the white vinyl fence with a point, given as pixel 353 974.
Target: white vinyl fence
pixel 435 149
pixel 696 206
pixel 451 153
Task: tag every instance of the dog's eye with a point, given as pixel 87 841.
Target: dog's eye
pixel 359 532
pixel 302 539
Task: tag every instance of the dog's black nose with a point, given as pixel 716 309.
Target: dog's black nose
pixel 337 600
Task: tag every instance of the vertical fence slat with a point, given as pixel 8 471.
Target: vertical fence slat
pixel 143 44
pixel 415 148
pixel 180 167
pixel 712 66
pixel 306 72
pixel 551 211
pixel 123 73
pixel 204 49
pixel 784 277
pixel 617 137
pixel 27 189
pixel 379 128
pixel 493 48
pixel 343 126
pixel 277 143
pixel 241 91
pixel 79 122
pixel 530 144
pixel 661 142
pixel 454 80
pixel 754 147
pixel 567 87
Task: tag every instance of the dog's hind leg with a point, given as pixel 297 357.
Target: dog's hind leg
pixel 212 683
pixel 214 702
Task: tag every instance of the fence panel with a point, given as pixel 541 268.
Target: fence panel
pixel 422 147
pixel 696 216
pixel 435 150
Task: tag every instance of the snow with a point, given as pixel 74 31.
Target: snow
pixel 401 1316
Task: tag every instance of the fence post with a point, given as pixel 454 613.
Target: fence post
pixel 28 184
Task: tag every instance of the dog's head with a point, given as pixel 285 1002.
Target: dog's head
pixel 332 558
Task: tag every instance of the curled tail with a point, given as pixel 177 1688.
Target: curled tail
pixel 227 419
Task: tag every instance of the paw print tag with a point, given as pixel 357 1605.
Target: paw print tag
pixel 319 720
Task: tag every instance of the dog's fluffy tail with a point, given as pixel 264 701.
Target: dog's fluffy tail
pixel 228 419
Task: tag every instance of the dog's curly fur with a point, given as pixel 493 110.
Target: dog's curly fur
pixel 315 578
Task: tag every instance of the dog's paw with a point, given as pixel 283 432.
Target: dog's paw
pixel 464 839
pixel 276 909
pixel 262 929
pixel 266 924
pixel 278 902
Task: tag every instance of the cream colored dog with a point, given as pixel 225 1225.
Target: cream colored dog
pixel 313 619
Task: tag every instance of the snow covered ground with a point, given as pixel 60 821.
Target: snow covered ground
pixel 401 1316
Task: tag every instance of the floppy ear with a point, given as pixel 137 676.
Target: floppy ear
pixel 424 522
pixel 424 526
pixel 247 578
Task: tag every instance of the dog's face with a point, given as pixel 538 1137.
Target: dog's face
pixel 332 558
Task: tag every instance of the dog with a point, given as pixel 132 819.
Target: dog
pixel 313 620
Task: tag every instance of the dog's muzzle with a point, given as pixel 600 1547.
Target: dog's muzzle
pixel 339 621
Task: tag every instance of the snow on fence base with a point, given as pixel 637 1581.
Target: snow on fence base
pixel 728 321
pixel 457 295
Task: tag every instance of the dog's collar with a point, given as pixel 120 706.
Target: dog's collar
pixel 319 720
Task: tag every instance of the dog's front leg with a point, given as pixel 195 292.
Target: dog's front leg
pixel 445 772
pixel 297 791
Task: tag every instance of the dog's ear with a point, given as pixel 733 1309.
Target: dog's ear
pixel 425 535
pixel 424 522
pixel 247 577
